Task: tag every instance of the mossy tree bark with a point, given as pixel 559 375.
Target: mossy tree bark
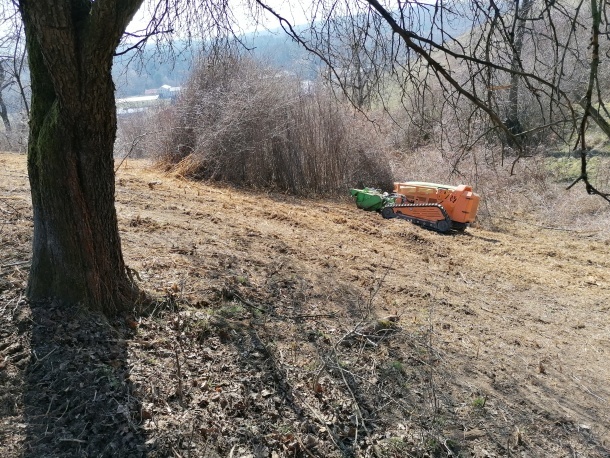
pixel 76 246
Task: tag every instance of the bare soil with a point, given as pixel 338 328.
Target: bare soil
pixel 287 327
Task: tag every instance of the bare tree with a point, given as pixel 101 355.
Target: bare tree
pixel 517 33
pixel 598 14
pixel 521 65
pixel 13 85
pixel 355 61
pixel 3 85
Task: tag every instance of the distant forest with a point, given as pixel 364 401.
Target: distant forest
pixel 152 69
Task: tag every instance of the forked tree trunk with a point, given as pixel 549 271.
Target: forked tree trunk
pixel 76 247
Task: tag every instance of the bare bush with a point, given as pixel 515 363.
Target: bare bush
pixel 140 134
pixel 531 192
pixel 245 124
pixel 15 139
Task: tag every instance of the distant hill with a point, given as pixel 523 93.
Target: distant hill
pixel 154 69
pixel 150 70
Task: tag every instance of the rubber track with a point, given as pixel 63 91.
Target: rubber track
pixel 434 225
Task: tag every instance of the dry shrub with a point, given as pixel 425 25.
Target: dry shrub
pixel 140 134
pixel 241 123
pixel 532 191
pixel 248 125
pixel 461 149
pixel 16 139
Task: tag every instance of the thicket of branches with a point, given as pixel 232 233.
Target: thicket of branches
pixel 14 82
pixel 243 123
pixel 512 75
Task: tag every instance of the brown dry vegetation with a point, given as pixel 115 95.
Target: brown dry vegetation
pixel 239 122
pixel 293 327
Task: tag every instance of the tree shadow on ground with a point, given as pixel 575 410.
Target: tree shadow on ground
pixel 307 364
pixel 78 399
pixel 374 374
pixel 325 382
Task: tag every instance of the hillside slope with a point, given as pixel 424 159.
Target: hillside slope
pixel 287 327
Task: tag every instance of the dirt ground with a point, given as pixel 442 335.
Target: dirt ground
pixel 287 327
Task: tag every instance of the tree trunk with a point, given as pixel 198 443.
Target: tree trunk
pixel 3 111
pixel 513 122
pixel 76 246
pixel 4 115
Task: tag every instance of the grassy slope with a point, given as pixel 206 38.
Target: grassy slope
pixel 274 313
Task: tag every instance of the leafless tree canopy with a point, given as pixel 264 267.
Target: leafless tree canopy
pixel 526 70
pixel 520 73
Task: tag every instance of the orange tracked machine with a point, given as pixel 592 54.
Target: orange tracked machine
pixel 434 206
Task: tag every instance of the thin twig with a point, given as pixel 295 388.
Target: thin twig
pixel 320 315
pixel 179 375
pixel 38 360
pixel 332 435
pixel 305 448
pixel 134 143
pixel 17 263
pixel 246 302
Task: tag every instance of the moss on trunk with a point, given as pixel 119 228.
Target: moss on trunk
pixel 76 246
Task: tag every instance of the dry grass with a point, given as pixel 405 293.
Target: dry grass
pixel 308 328
pixel 533 194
